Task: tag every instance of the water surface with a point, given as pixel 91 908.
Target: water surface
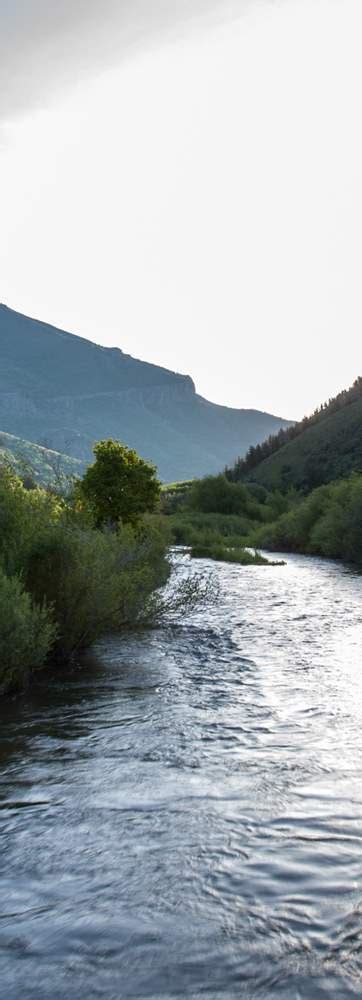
pixel 183 817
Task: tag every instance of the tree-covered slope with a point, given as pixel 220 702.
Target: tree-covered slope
pixel 41 464
pixel 320 449
pixel 65 392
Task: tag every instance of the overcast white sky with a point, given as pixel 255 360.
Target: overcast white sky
pixel 183 180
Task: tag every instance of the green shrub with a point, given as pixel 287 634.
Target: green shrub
pixel 192 527
pixel 96 581
pixel 328 522
pixel 27 634
pixel 66 582
pixel 338 531
pixel 24 516
pixel 173 496
pixel 242 557
pixel 215 495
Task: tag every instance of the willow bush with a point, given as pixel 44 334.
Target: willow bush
pixel 69 576
pixel 95 581
pixel 64 581
pixel 27 634
pixel 328 522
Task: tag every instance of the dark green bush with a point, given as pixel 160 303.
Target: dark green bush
pixel 92 580
pixel 192 527
pixel 328 522
pixel 24 516
pixel 215 495
pixel 96 581
pixel 220 553
pixel 27 634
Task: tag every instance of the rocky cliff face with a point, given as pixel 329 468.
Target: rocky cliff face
pixel 65 392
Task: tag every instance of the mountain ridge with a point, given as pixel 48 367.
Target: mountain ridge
pixel 65 392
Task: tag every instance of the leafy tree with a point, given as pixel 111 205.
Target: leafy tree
pixel 119 486
pixel 214 494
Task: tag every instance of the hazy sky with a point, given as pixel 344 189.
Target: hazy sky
pixel 182 179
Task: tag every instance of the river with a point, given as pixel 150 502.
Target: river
pixel 183 817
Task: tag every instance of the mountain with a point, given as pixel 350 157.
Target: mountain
pixel 317 450
pixel 64 392
pixel 41 464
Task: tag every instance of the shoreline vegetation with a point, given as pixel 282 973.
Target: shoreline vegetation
pixel 219 519
pixel 76 567
pixel 300 491
pixel 91 556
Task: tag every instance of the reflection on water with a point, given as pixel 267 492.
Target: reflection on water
pixel 183 818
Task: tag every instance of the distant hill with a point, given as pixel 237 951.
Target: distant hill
pixel 317 450
pixel 64 392
pixel 41 464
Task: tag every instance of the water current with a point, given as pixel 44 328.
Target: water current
pixel 182 818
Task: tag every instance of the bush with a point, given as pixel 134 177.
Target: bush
pixel 66 582
pixel 328 522
pixel 215 495
pixel 338 531
pixel 96 581
pixel 27 634
pixel 194 528
pixel 24 516
pixel 173 496
pixel 242 557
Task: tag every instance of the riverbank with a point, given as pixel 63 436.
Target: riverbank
pixel 214 514
pixel 66 576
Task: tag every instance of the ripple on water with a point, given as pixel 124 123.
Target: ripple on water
pixel 183 817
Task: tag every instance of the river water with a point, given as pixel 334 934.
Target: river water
pixel 183 817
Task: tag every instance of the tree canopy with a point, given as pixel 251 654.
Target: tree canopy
pixel 119 486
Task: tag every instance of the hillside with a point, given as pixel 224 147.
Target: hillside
pixel 320 449
pixel 42 464
pixel 64 392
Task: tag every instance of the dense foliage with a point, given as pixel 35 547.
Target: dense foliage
pixel 65 580
pixel 119 485
pixel 300 491
pixel 216 495
pixel 27 633
pixel 215 517
pixel 328 522
pixel 317 449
